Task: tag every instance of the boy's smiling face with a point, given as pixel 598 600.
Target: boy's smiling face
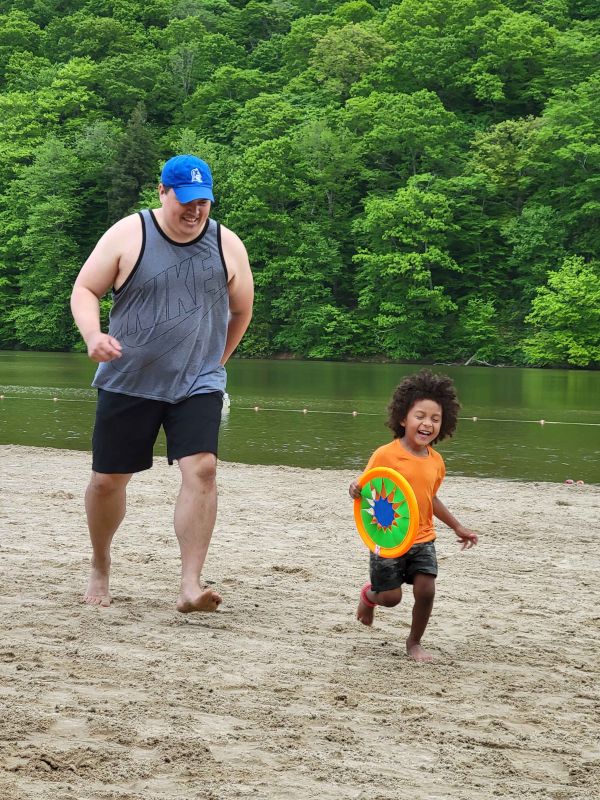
pixel 422 425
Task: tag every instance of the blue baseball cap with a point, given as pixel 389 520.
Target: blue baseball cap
pixel 189 177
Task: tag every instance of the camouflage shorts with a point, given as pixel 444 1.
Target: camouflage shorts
pixel 390 573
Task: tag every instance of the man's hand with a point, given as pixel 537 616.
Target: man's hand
pixel 102 347
pixel 467 537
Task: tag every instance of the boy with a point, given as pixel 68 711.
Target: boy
pixel 423 410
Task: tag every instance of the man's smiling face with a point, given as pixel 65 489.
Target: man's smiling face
pixel 182 221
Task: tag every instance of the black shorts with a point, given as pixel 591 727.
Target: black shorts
pixel 126 429
pixel 391 573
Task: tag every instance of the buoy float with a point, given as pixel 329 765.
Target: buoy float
pixel 355 413
pixel 55 399
pixel 256 408
pixel 305 411
pixel 542 421
pixel 474 419
pixel 569 482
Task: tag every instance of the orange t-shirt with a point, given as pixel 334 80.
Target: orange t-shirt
pixel 424 473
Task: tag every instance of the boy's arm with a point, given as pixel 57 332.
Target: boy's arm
pixel 467 537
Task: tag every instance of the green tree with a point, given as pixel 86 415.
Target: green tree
pixel 258 21
pixel 470 52
pixel 122 81
pixel 303 36
pixel 433 48
pixel 95 149
pixel 326 161
pixel 502 155
pixel 18 33
pixel 575 57
pixel 402 135
pixel 402 272
pixel 21 131
pixel 192 63
pixel 267 116
pixel 39 210
pixel 477 335
pixel 566 157
pixel 342 56
pixel 134 166
pixel 213 106
pixel 355 11
pixel 84 35
pixel 69 99
pixel 565 317
pixel 537 239
pixel 514 51
pixel 300 285
pixel 26 72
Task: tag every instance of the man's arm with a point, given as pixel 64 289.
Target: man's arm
pixel 96 277
pixel 240 288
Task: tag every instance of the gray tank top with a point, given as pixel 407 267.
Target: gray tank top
pixel 171 318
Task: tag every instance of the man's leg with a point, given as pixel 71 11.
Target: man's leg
pixel 424 594
pixel 195 514
pixel 105 508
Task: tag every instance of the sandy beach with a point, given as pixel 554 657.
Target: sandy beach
pixel 282 693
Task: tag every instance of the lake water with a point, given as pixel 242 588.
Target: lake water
pixel 305 414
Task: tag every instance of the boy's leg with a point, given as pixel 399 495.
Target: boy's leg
pixel 369 598
pixel 387 577
pixel 424 594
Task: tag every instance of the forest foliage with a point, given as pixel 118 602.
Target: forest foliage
pixel 414 181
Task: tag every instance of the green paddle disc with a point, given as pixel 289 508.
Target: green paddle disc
pixel 386 514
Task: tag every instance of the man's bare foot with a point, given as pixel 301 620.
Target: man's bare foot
pixel 97 592
pixel 416 652
pixel 206 600
pixel 366 608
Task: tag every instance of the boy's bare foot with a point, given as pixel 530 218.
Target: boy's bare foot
pixel 206 600
pixel 416 652
pixel 97 592
pixel 366 609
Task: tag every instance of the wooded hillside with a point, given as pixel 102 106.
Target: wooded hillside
pixel 415 181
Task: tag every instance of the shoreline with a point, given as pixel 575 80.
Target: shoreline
pixel 282 693
pixel 344 471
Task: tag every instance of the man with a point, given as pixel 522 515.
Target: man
pixel 182 300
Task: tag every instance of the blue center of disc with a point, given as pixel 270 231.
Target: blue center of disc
pixel 383 512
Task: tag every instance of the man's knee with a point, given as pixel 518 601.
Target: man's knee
pixel 201 467
pixel 103 484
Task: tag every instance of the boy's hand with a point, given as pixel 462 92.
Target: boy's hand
pixel 354 490
pixel 467 537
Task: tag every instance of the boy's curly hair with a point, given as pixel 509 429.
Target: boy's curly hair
pixel 424 386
